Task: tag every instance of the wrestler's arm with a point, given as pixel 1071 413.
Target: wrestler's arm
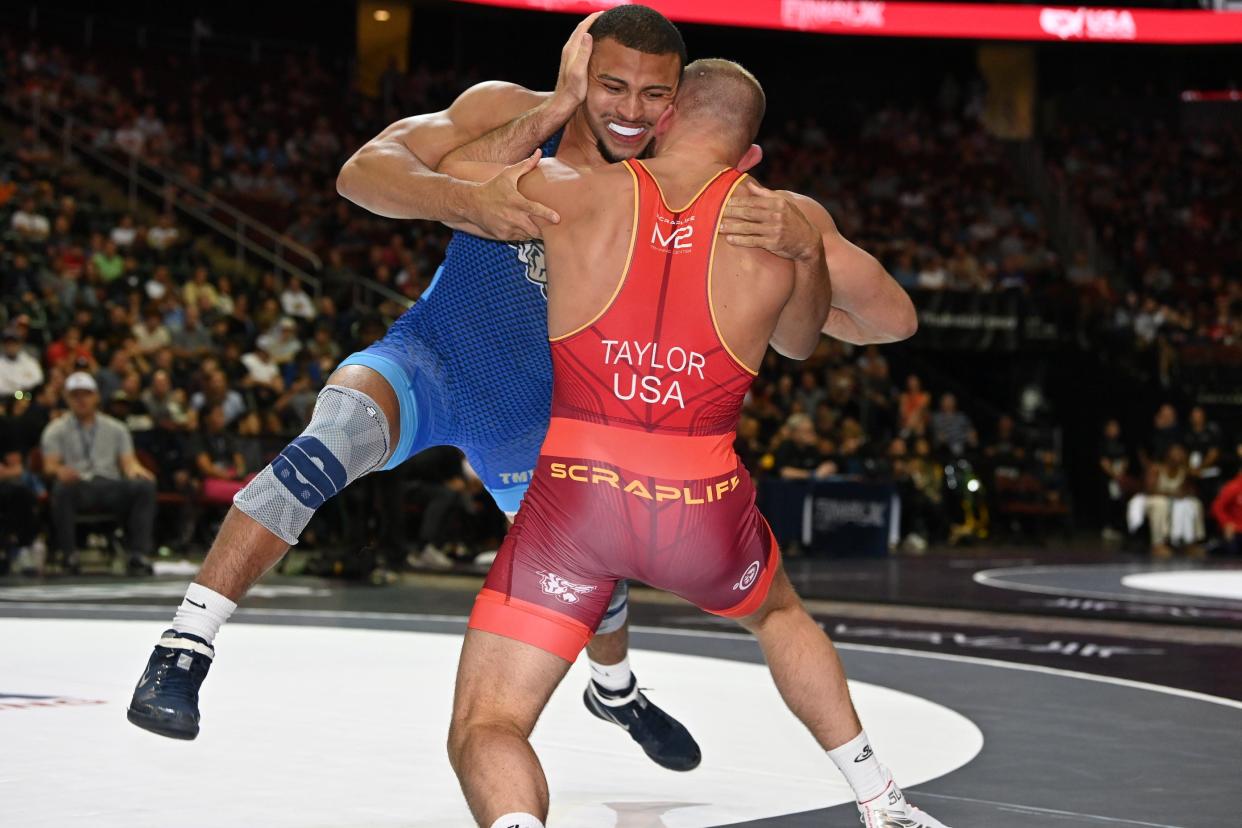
pixel 393 174
pixel 510 142
pixel 868 306
pixel 748 222
pixel 554 183
pixel 798 328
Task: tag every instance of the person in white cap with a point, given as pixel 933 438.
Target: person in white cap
pixel 89 458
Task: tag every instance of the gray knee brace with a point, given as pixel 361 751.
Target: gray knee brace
pixel 618 610
pixel 347 437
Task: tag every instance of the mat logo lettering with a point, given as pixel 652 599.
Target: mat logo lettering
pixel 20 701
pixel 567 591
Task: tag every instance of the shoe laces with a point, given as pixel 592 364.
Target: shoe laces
pixel 171 680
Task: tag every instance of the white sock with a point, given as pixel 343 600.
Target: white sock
pixel 857 763
pixel 517 821
pixel 614 677
pixel 202 611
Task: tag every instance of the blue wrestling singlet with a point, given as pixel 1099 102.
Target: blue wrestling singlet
pixel 469 361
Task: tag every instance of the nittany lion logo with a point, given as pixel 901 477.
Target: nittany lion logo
pixel 530 253
pixel 567 591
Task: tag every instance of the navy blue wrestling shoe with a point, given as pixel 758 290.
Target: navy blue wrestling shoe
pixel 664 739
pixel 166 698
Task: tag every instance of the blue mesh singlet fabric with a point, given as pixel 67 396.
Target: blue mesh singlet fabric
pixel 472 355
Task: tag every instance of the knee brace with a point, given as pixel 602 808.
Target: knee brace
pixel 618 610
pixel 347 437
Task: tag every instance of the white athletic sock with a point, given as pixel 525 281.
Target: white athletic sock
pixel 202 611
pixel 614 677
pixel 857 763
pixel 517 821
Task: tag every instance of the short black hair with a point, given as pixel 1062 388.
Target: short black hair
pixel 640 28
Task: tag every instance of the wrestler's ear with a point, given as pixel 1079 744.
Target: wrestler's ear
pixel 751 158
pixel 662 123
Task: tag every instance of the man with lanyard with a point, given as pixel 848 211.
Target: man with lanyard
pixel 89 457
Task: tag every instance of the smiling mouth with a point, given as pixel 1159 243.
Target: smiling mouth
pixel 624 131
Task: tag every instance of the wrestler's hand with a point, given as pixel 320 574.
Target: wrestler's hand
pixel 502 212
pixel 571 78
pixel 764 218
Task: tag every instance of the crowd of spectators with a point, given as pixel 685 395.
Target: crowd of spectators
pixel 210 371
pixel 1167 489
pixel 843 414
pixel 884 180
pixel 1164 203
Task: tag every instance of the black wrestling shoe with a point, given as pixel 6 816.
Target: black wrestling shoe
pixel 664 739
pixel 166 698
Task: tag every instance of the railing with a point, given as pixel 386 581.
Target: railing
pixel 174 191
pixel 200 205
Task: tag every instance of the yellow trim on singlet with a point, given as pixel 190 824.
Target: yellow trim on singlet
pixel 711 262
pixel 689 203
pixel 625 271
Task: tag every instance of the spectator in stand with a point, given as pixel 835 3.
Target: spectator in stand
pixel 90 458
pixel 952 431
pixel 125 234
pixel 281 341
pixel 166 406
pixel 108 264
pixel 1173 513
pixel 296 302
pixel 151 334
pixel 1227 510
pixel 198 287
pixel 1006 454
pixel 164 235
pixel 1165 434
pixel 28 224
pixel 20 278
pixel 160 284
pixel 323 345
pixel 915 406
pixel 263 377
pixel 798 457
pixel 1203 442
pixel 928 521
pixel 109 377
pixel 19 370
pixel 810 393
pixel 218 460
pixel 750 447
pixel 1053 486
pixel 19 504
pixel 192 341
pixel 1118 483
pixel 72 350
pixel 216 391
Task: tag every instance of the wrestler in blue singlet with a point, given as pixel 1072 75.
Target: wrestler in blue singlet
pixel 469 362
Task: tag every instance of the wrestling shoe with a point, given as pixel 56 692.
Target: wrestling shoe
pixel 166 698
pixel 664 739
pixel 890 810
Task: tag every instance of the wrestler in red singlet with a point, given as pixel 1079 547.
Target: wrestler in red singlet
pixel 637 477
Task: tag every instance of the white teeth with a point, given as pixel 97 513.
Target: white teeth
pixel 628 132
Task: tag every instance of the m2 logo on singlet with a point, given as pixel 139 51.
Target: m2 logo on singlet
pixel 531 254
pixel 675 237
